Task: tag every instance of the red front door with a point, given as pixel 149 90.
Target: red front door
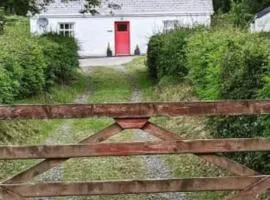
pixel 122 38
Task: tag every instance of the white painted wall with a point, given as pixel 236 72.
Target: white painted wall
pixel 261 24
pixel 94 33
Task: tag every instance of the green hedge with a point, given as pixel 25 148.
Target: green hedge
pixel 153 52
pixel 31 65
pixel 232 65
pixel 228 64
pixel 166 54
pixel 61 58
pixel 2 20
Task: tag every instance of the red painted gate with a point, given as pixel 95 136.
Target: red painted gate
pixel 122 38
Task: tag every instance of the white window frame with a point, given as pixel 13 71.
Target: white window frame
pixel 70 31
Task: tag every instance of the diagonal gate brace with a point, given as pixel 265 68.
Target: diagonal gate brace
pixel 254 190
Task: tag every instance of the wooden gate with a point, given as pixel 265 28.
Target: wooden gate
pixel 248 182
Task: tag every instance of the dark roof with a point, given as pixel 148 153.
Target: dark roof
pixel 263 12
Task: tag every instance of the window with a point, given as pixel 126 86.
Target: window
pixel 66 1
pixel 170 25
pixel 66 29
pixel 122 27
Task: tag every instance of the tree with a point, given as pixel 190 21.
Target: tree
pixel 255 6
pixel 243 11
pixel 222 5
pixel 2 20
pixel 250 6
pixel 21 7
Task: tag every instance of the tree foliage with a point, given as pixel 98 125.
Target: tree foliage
pixel 32 65
pixel 2 20
pixel 21 7
pixel 249 6
pixel 222 5
pixel 242 11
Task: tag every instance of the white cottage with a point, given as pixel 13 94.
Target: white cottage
pixel 261 22
pixel 121 24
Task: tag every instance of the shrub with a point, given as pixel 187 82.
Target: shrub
pixel 153 53
pixel 172 58
pixel 9 88
pixel 204 52
pixel 32 61
pixel 29 65
pixel 232 65
pixel 167 54
pixel 23 59
pixel 61 58
pixel 2 20
pixel 221 64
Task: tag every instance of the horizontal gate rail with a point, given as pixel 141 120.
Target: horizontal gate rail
pixel 138 148
pixel 133 186
pixel 135 110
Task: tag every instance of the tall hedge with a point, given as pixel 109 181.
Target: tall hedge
pixel 23 59
pixel 61 58
pixel 153 52
pixel 2 20
pixel 223 64
pixel 166 54
pixel 232 65
pixel 30 65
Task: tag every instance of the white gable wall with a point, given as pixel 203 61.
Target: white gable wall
pixel 261 24
pixel 94 33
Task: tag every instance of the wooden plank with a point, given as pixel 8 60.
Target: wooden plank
pixel 220 161
pixel 132 123
pixel 135 110
pixel 6 194
pixel 45 165
pixel 128 149
pixel 253 190
pixel 133 186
